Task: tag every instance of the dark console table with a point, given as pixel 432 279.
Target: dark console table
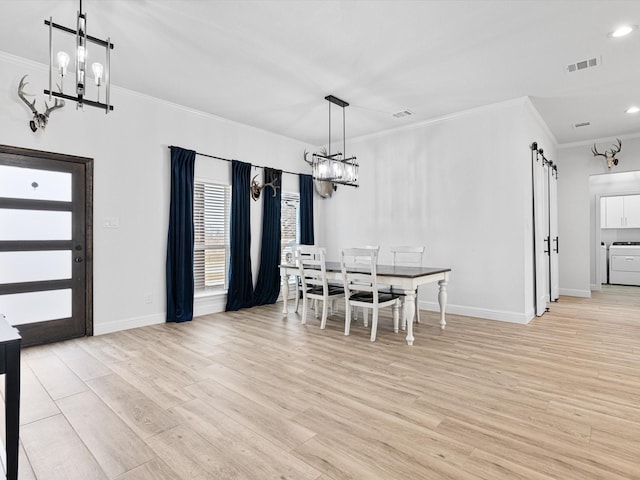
pixel 10 365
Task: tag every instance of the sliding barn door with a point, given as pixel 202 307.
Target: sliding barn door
pixel 554 269
pixel 546 246
pixel 45 244
pixel 540 232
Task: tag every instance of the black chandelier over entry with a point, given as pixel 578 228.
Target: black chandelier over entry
pixel 101 73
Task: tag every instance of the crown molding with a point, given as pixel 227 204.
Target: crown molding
pixel 514 102
pixel 582 143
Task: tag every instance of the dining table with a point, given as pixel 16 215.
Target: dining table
pixel 404 280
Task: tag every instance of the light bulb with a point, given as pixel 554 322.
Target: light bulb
pixel 82 54
pixel 348 172
pixel 337 169
pixel 63 62
pixel 98 69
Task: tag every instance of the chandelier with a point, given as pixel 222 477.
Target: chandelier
pixel 101 73
pixel 336 168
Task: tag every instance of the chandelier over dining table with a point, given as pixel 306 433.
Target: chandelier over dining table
pixel 336 168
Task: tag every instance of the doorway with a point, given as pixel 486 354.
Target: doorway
pixel 46 268
pixel 602 235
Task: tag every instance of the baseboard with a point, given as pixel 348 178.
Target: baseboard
pixel 499 315
pixel 209 304
pixel 201 306
pixel 128 323
pixel 530 314
pixel 570 292
pixel 217 303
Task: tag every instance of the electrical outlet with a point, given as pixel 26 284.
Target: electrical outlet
pixel 111 222
pixel 148 298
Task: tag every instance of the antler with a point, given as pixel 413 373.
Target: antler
pixel 59 103
pixel 595 152
pixel 616 148
pixel 21 94
pixel 273 185
pixel 305 157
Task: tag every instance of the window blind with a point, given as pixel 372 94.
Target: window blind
pixel 289 230
pixel 211 207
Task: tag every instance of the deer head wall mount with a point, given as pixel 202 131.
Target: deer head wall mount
pixel 39 120
pixel 256 188
pixel 610 155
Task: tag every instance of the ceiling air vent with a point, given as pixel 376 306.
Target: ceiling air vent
pixel 403 113
pixel 583 65
pixel 582 124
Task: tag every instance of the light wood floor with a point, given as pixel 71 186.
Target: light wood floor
pixel 250 395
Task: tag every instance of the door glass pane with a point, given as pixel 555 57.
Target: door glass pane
pixel 21 308
pixel 18 267
pixel 18 182
pixel 34 225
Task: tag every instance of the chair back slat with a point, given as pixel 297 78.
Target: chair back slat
pixel 407 256
pixel 358 267
pixel 311 265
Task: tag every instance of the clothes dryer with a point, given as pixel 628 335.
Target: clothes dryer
pixel 624 263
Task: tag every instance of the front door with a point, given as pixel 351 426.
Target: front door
pixel 45 244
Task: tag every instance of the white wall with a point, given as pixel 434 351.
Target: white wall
pixel 460 185
pixel 576 203
pixel 131 180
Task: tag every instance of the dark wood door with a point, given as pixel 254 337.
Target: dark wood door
pixel 46 244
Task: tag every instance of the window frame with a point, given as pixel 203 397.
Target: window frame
pixel 285 241
pixel 200 243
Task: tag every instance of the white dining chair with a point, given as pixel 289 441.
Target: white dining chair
pixel 365 260
pixel 313 277
pixel 407 256
pixel 359 267
pixel 289 257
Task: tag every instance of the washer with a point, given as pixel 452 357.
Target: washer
pixel 624 263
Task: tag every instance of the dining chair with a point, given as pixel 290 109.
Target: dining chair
pixel 289 257
pixel 313 276
pixel 407 256
pixel 364 259
pixel 359 267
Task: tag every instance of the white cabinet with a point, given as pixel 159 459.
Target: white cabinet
pixel 620 212
pixel 632 211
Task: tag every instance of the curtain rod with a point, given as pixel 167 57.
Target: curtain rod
pixel 230 160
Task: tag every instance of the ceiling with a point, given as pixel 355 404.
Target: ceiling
pixel 270 64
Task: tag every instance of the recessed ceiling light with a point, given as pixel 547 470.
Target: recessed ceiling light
pixel 633 109
pixel 623 30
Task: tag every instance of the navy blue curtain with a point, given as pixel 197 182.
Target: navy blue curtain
pixel 240 292
pixel 180 238
pixel 268 284
pixel 306 210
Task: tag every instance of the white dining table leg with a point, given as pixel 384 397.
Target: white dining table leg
pixel 442 300
pixel 410 306
pixel 396 315
pixel 285 291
